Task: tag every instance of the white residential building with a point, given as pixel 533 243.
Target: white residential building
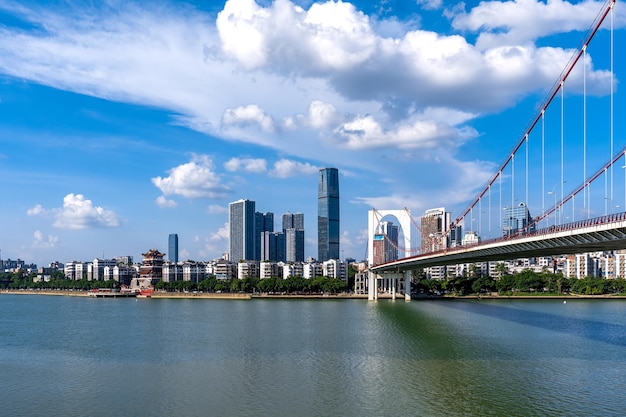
pixel 335 268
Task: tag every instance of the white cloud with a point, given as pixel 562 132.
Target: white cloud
pixel 217 243
pixel 38 209
pixel 286 168
pixel 163 202
pixel 77 213
pixel 44 242
pixel 430 4
pixel 328 36
pixel 80 213
pixel 322 83
pixel 195 179
pixel 323 115
pixel 246 164
pixel 248 115
pixel 520 21
pixel 283 76
pixel 366 132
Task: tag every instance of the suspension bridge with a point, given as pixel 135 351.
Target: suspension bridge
pixel 551 171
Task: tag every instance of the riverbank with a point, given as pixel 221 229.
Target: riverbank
pixel 192 295
pixel 342 296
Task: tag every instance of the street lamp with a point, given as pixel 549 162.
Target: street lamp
pixel 554 207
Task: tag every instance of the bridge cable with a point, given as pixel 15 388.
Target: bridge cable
pixel 558 86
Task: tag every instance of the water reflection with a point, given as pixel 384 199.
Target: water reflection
pixel 549 319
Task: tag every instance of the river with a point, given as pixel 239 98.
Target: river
pixel 78 356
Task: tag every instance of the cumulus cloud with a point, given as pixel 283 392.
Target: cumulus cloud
pixel 520 21
pixel 322 82
pixel 77 213
pixel 366 132
pixel 286 168
pixel 223 233
pixel 195 179
pixel 328 36
pixel 328 62
pixel 44 242
pixel 250 115
pixel 246 164
pixel 163 202
pixel 323 115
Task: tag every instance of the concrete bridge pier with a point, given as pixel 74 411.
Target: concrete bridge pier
pixel 407 285
pixel 372 286
pixel 389 283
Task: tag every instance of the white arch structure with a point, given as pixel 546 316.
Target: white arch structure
pixel 404 219
pixel 375 216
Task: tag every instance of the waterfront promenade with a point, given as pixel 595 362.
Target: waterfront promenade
pixel 191 295
pixel 341 296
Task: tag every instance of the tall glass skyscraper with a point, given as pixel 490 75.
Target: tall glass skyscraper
pixel 264 223
pixel 172 245
pixel 328 214
pixel 517 219
pixel 241 219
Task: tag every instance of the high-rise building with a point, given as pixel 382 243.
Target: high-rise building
pixel 241 219
pixel 273 246
pixel 172 246
pixel 328 214
pixel 517 219
pixel 294 245
pixel 391 231
pixel 293 221
pixel 293 228
pixel 434 225
pixel 385 245
pixel 264 222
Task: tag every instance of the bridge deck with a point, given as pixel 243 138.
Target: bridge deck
pixel 598 234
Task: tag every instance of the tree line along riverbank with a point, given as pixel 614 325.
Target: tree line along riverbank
pixel 525 283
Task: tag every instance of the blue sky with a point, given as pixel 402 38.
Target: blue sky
pixel 124 121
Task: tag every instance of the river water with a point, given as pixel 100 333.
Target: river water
pixel 77 356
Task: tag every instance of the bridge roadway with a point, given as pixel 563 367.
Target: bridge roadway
pixel 598 234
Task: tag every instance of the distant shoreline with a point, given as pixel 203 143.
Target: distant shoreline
pixel 343 296
pixel 191 295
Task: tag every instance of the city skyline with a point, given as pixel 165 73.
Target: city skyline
pixel 120 122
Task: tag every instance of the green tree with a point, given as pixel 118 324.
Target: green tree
pixel 528 280
pixel 484 284
pixel 506 283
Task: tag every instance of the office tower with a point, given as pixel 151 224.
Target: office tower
pixel 385 245
pixel 517 219
pixel 391 231
pixel 294 245
pixel 172 252
pixel 434 225
pixel 293 221
pixel 264 222
pixel 273 246
pixel 293 228
pixel 328 214
pixel 241 219
pixel 455 237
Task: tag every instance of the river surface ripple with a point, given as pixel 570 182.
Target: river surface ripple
pixel 76 356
